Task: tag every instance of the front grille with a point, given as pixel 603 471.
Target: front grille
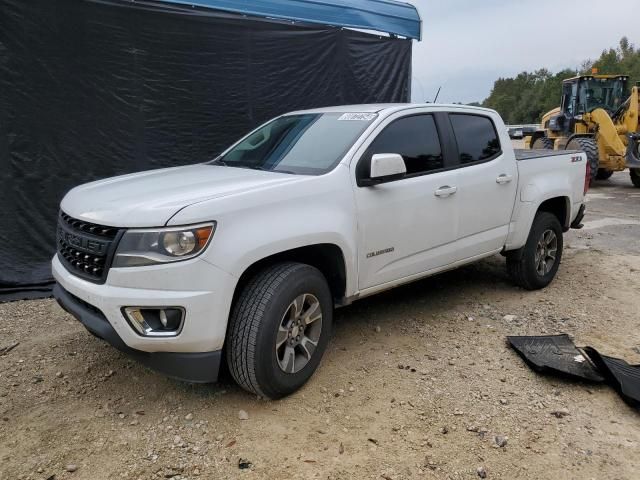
pixel 86 249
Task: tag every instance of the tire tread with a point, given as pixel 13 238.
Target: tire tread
pixel 244 324
pixel 589 146
pixel 517 261
pixel 545 143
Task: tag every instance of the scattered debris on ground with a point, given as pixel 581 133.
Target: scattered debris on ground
pixel 557 354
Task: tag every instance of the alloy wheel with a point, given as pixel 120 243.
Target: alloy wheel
pixel 546 251
pixel 298 333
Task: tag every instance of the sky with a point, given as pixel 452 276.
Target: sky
pixel 467 44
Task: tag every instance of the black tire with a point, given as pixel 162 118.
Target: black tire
pixel 522 264
pixel 589 146
pixel 542 143
pixel 604 174
pixel 255 321
pixel 634 173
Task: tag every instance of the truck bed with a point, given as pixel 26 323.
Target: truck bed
pixel 528 154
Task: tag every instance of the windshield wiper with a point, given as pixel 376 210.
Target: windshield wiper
pixel 251 167
pixel 274 171
pixel 262 169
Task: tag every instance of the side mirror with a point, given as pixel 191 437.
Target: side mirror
pixel 386 167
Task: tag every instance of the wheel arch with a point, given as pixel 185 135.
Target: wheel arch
pixel 579 135
pixel 560 206
pixel 556 203
pixel 536 135
pixel 326 257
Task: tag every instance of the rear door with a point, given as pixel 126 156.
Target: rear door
pixel 408 225
pixel 487 184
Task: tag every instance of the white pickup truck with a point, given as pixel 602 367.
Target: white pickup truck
pixel 244 258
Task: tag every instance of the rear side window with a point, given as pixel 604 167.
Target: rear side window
pixel 415 138
pixel 476 137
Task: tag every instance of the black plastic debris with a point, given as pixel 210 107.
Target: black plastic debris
pixel 243 464
pixel 556 354
pixel 623 377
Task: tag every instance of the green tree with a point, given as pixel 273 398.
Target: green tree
pixel 529 95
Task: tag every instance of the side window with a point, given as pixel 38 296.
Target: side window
pixel 567 103
pixel 476 137
pixel 415 138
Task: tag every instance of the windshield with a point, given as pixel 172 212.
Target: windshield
pixel 307 144
pixel 604 93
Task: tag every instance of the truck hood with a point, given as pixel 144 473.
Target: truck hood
pixel 150 199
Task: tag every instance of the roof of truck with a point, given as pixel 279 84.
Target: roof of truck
pixel 380 107
pixel 364 108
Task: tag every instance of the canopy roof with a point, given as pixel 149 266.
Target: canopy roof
pixel 389 16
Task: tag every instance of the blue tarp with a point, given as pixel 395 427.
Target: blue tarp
pixel 387 16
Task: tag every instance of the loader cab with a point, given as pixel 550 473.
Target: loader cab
pixel 584 94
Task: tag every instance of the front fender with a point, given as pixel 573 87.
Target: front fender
pixel 276 246
pixel 259 224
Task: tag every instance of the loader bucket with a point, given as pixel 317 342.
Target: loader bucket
pixel 633 150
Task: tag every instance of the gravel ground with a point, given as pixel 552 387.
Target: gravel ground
pixel 417 383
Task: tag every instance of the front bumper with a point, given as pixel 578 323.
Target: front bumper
pixel 200 367
pixel 204 291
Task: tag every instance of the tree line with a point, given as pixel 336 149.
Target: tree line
pixel 528 96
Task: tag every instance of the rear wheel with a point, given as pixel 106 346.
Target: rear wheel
pixel 542 143
pixel 279 329
pixel 535 265
pixel 604 174
pixel 589 146
pixel 634 173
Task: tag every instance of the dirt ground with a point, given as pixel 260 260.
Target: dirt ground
pixel 417 383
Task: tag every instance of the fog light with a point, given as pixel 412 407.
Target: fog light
pixel 155 321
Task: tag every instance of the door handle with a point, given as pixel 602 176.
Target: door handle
pixel 504 178
pixel 445 191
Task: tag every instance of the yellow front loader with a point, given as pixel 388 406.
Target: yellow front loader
pixel 599 116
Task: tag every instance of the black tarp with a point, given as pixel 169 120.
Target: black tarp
pixel 92 89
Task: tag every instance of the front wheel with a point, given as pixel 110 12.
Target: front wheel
pixel 536 264
pixel 634 173
pixel 279 328
pixel 542 143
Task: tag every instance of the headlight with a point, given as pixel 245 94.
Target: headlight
pixel 162 245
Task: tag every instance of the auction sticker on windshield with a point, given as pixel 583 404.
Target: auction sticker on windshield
pixel 362 117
